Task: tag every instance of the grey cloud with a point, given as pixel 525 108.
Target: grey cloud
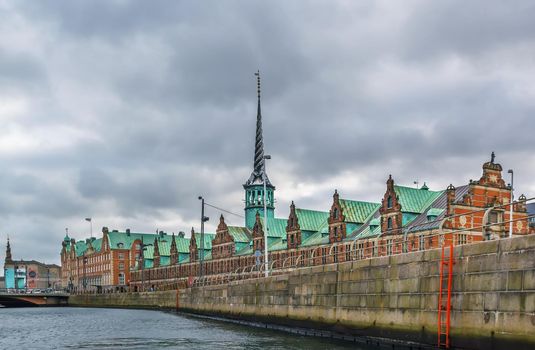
pixel 158 103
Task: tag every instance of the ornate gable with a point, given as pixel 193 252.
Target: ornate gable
pixel 293 230
pixel 258 234
pixel 173 252
pixel 391 216
pixel 223 245
pixel 156 254
pixel 492 174
pixel 337 225
pixel 193 251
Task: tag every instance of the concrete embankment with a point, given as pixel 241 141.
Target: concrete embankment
pixel 493 298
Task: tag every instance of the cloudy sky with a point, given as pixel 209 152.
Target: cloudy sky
pixel 127 111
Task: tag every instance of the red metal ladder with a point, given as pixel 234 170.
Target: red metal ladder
pixel 444 296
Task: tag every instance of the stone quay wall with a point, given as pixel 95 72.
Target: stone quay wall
pixel 493 296
pixel 145 300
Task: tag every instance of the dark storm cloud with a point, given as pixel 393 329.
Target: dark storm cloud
pixel 127 111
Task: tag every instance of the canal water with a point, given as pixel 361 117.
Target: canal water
pixel 88 328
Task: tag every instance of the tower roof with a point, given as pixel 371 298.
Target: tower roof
pixel 259 166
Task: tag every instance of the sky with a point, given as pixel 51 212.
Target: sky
pixel 127 111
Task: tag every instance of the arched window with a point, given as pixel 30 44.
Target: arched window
pixel 389 223
pixel 335 213
pixel 389 202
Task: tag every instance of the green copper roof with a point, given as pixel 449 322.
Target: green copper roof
pixel 164 247
pixel 357 211
pixel 208 237
pixel 375 222
pixel 277 227
pixel 97 244
pixel 435 211
pixel 124 240
pixel 316 239
pixel 311 220
pixel 182 244
pixel 368 232
pixel 240 234
pixel 80 248
pixel 415 200
pixel 278 245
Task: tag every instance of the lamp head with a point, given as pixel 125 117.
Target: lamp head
pixel 267 156
pixel 510 171
pixel 200 197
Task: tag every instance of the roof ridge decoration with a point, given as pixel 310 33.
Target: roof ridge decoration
pixel 391 209
pixel 193 246
pixel 492 174
pixel 259 165
pixel 258 234
pixel 337 225
pixel 173 251
pixel 223 245
pixel 293 229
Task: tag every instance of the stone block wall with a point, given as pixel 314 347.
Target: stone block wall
pixel 493 296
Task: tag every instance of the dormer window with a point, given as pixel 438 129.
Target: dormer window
pixel 120 245
pixel 389 202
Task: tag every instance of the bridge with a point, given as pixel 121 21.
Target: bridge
pixel 29 300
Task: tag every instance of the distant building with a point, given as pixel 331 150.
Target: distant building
pixel 29 274
pixel 104 264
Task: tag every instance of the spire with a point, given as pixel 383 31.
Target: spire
pixel 259 166
pixel 8 252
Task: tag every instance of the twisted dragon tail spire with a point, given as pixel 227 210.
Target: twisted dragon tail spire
pixel 259 166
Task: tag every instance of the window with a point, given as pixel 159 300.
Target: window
pixel 121 266
pixel 121 256
pixel 335 213
pixel 137 246
pixel 389 223
pixel 421 243
pixel 121 278
pixel 389 202
pixel 292 239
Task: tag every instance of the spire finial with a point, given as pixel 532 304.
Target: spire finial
pixel 258 83
pixel 492 156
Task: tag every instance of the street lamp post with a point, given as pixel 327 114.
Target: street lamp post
pixel 510 171
pixel 90 226
pixel 85 281
pixel 143 247
pixel 201 256
pixel 264 180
